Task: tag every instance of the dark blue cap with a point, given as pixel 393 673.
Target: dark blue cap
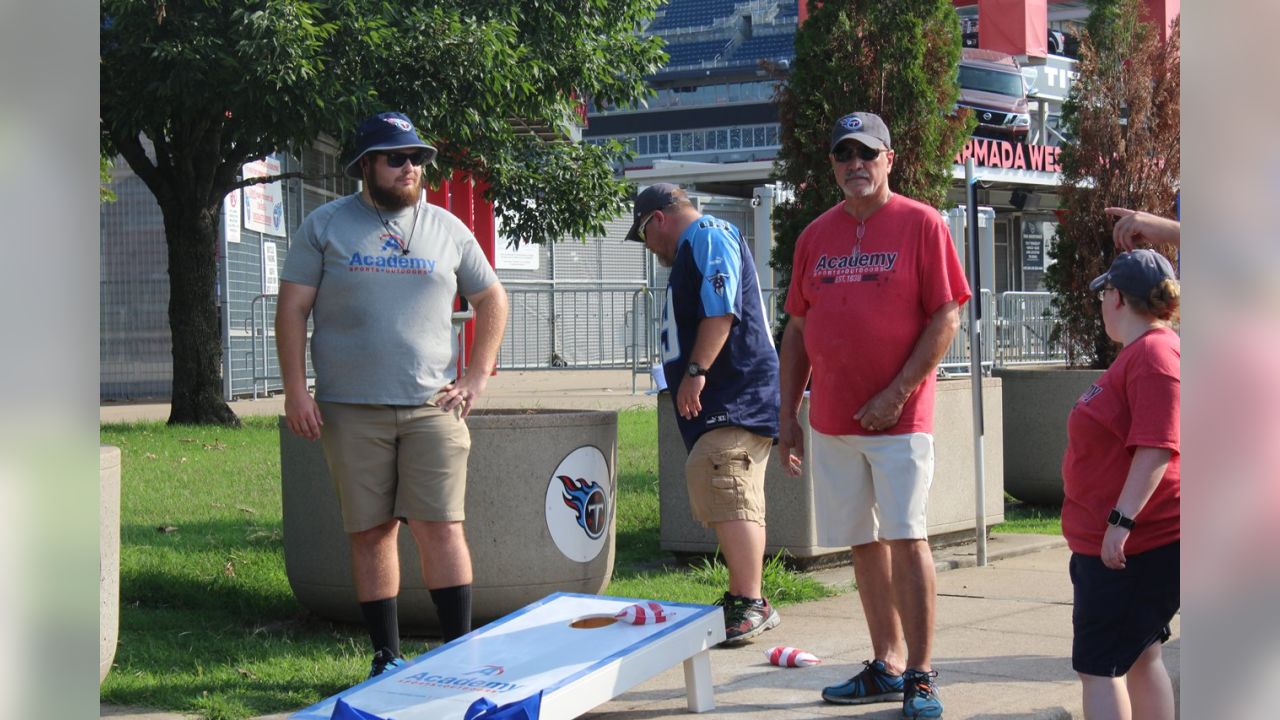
pixel 1135 273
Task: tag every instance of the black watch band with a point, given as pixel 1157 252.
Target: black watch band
pixel 694 370
pixel 1119 519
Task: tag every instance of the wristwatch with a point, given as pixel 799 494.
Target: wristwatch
pixel 1119 519
pixel 695 370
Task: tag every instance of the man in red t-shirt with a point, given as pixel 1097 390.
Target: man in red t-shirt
pixel 874 303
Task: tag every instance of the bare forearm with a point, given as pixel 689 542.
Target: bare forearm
pixel 929 350
pixel 794 367
pixel 491 324
pixel 712 334
pixel 1145 472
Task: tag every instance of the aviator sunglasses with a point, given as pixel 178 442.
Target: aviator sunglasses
pixel 398 159
pixel 845 153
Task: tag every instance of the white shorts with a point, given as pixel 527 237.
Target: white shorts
pixel 870 487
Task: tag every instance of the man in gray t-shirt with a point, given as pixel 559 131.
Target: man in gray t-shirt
pixel 379 271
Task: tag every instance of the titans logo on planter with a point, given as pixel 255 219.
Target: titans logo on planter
pixel 579 504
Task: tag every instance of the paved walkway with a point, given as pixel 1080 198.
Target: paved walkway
pixel 1003 649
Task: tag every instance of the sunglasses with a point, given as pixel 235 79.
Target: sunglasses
pixel 398 159
pixel 845 153
pixel 1102 294
pixel 643 223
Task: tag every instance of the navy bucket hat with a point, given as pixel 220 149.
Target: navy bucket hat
pixel 384 131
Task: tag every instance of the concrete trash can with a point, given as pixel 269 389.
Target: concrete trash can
pixel 541 496
pixel 108 557
pixel 789 502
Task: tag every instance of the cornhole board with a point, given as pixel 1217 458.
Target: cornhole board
pixel 538 648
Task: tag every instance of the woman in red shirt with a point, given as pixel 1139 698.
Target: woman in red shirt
pixel 1122 482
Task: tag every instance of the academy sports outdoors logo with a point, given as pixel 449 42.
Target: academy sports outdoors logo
pixel 854 267
pixel 579 504
pixel 588 504
pixel 478 680
pixel 404 125
pixel 392 260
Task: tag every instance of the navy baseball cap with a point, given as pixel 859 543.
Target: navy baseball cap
pixel 654 197
pixel 384 131
pixel 1135 273
pixel 866 128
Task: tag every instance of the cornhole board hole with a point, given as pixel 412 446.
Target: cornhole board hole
pixel 567 645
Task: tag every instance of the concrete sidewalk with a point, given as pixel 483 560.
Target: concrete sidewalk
pixel 1003 648
pixel 576 389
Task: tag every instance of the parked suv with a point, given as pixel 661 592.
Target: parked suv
pixel 991 87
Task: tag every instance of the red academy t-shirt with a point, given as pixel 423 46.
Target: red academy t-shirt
pixel 864 311
pixel 1134 404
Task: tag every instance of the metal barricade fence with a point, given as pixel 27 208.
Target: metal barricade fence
pixel 1026 326
pixel 956 361
pixel 601 326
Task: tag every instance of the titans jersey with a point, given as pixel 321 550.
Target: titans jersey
pixel 714 275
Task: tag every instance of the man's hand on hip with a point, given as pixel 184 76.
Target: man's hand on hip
pixel 302 415
pixel 464 392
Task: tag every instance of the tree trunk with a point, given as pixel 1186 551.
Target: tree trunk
pixel 191 235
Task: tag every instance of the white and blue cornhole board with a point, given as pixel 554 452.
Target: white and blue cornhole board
pixel 535 649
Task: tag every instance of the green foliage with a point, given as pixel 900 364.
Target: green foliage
pixel 1123 114
pixel 217 84
pixel 105 193
pixel 1022 518
pixel 896 59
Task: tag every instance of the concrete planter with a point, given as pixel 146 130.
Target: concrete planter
pixel 108 557
pixel 1037 400
pixel 789 501
pixel 525 539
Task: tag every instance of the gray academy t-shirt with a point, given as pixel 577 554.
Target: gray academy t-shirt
pixel 383 332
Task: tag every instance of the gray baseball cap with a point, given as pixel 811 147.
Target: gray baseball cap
pixel 866 128
pixel 1136 272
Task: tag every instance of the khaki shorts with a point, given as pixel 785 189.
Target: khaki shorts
pixel 394 461
pixel 725 473
pixel 870 487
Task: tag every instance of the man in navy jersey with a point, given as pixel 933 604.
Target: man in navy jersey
pixel 719 360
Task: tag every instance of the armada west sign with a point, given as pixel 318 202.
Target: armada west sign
pixel 1003 154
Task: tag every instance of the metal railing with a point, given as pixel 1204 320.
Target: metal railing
pixel 1025 329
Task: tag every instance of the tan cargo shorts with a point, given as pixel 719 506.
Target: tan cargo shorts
pixel 395 461
pixel 725 474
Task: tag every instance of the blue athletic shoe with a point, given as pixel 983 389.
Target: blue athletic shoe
pixel 920 695
pixel 874 684
pixel 384 661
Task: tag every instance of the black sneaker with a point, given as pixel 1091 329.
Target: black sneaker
pixel 746 618
pixel 920 695
pixel 383 661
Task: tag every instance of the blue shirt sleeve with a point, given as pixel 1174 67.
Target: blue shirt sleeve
pixel 718 255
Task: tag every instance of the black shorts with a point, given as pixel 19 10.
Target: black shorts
pixel 1118 614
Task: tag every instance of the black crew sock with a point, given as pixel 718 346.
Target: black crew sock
pixel 383 622
pixel 453 607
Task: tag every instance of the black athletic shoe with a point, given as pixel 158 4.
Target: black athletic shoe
pixel 745 618
pixel 384 661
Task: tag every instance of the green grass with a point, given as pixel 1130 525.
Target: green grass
pixel 208 624
pixel 1020 517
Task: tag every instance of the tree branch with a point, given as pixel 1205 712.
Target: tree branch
pixel 282 176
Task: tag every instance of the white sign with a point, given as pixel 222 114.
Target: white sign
pixel 579 505
pixel 264 202
pixel 231 217
pixel 270 272
pixel 526 257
